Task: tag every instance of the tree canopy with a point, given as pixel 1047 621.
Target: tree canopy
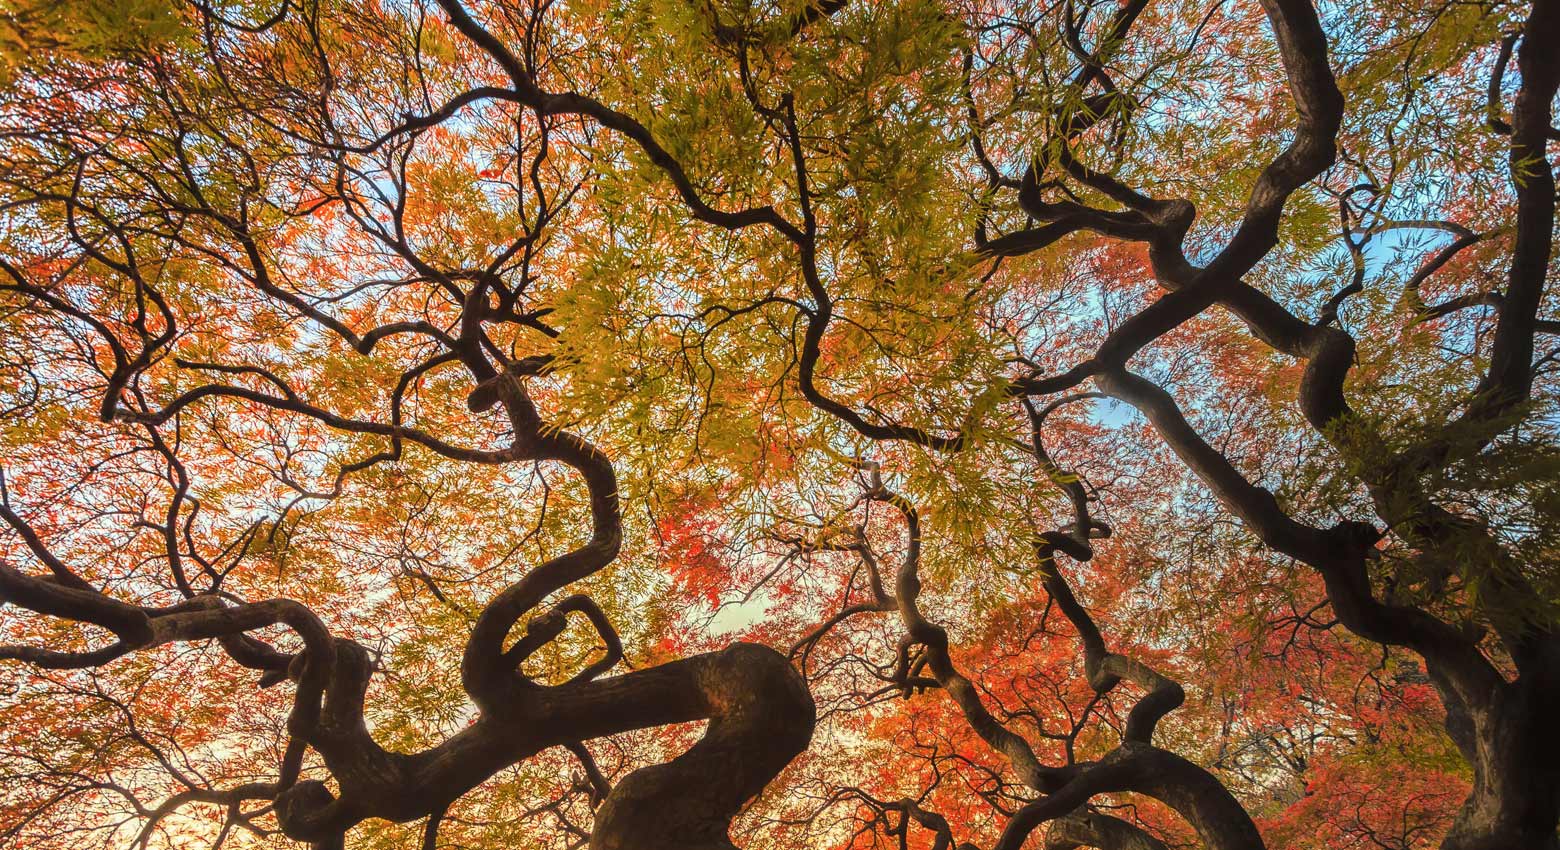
pixel 952 424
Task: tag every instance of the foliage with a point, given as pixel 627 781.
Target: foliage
pixel 1157 390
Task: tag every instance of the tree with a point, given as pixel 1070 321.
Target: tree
pixel 922 395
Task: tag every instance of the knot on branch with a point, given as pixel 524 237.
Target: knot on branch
pixel 1357 536
pixel 488 392
pixel 302 811
pixel 547 626
pixel 761 716
pixel 1070 545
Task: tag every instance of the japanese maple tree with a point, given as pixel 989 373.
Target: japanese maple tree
pixel 709 423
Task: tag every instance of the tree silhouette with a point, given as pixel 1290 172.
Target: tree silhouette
pixel 922 396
